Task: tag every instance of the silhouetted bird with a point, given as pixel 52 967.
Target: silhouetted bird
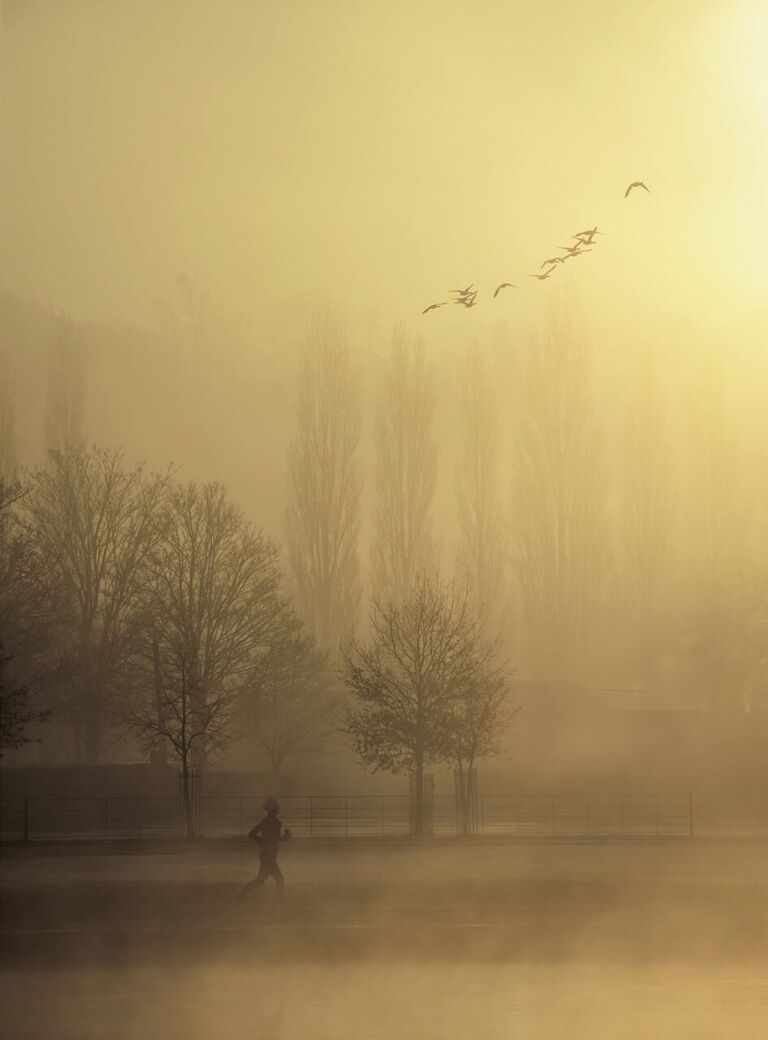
pixel 576 250
pixel 469 300
pixel 504 285
pixel 553 260
pixel 434 306
pixel 637 184
pixel 541 277
pixel 587 236
pixel 463 292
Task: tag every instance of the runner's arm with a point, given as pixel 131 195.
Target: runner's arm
pixel 255 832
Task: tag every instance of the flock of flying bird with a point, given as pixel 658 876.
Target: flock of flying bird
pixel 584 243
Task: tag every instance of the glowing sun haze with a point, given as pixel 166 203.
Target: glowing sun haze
pixel 378 154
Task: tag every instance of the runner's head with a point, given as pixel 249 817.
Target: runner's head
pixel 271 806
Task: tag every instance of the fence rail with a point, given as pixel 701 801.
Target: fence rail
pixel 350 815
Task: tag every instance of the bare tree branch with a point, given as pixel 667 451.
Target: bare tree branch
pixel 426 687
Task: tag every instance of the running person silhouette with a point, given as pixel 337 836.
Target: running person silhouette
pixel 269 834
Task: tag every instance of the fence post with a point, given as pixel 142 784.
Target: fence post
pixel 656 813
pixel 311 817
pixel 106 817
pixel 690 814
pixel 346 816
pixel 26 819
pixel 552 815
pixel 621 816
pixel 586 813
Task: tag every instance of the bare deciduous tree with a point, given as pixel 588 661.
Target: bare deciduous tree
pixel 26 585
pixel 17 713
pixel 478 714
pixel 560 550
pixel 647 516
pixel 323 513
pixel 647 504
pixel 406 471
pixel 482 554
pixel 477 717
pixel 182 717
pixel 94 523
pixel 18 612
pixel 8 457
pixel 424 656
pixel 293 700
pixel 65 403
pixel 721 596
pixel 210 606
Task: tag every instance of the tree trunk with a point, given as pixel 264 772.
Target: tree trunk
pixel 93 730
pixel 161 756
pixel 418 814
pixel 461 799
pixel 466 799
pixel 186 800
pixel 198 699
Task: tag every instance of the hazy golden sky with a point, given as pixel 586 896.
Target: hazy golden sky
pixel 380 153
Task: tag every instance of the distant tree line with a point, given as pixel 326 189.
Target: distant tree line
pixel 608 535
pixel 588 544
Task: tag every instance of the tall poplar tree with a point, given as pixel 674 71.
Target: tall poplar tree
pixel 322 518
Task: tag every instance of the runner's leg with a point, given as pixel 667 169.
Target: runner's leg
pixel 277 874
pixel 264 872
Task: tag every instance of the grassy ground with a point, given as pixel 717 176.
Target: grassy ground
pixel 548 898
pixel 387 940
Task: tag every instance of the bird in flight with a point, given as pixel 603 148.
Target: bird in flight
pixel 504 285
pixel 587 237
pixel 584 242
pixel 573 250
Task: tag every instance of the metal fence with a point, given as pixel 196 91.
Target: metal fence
pixel 350 816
